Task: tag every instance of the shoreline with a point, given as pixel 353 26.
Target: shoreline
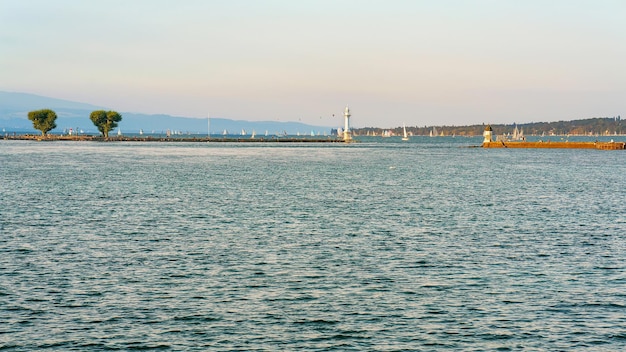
pixel 90 138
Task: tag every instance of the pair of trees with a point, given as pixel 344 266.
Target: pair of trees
pixel 105 121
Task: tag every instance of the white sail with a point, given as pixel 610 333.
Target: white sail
pixel 405 137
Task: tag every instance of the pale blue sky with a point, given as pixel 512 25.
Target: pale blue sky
pixel 393 61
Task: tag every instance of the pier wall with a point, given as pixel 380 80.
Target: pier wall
pixel 52 137
pixel 557 145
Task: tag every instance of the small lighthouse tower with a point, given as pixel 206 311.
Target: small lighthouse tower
pixel 347 135
pixel 488 134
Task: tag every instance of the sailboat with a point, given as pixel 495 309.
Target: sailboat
pixel 405 137
pixel 433 132
pixel 515 134
pixel 253 134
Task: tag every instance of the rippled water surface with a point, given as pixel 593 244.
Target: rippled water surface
pixel 371 246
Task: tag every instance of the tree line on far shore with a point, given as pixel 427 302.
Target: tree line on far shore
pixel 584 127
pixel 105 121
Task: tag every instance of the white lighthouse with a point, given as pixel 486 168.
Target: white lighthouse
pixel 488 134
pixel 347 135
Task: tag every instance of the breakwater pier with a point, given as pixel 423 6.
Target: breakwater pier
pixel 556 145
pixel 489 142
pixel 227 139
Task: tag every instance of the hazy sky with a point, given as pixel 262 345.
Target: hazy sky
pixel 392 61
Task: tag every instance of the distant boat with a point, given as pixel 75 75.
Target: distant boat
pixel 140 132
pixel 253 134
pixel 518 135
pixel 515 134
pixel 312 134
pixel 119 132
pixel 405 137
pixel 225 133
pixel 266 133
pixel 433 132
pixel 243 132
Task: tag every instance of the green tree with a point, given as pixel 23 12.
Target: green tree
pixel 105 121
pixel 43 120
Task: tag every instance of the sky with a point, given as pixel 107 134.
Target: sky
pixel 418 62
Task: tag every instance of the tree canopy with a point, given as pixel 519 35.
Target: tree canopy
pixel 43 120
pixel 105 121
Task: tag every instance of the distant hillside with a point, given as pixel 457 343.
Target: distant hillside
pixel 591 126
pixel 14 108
pixel 22 102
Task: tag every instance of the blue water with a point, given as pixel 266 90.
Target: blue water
pixel 382 246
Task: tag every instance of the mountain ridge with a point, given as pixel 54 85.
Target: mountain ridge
pixel 14 108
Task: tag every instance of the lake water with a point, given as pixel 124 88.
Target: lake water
pixel 385 246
